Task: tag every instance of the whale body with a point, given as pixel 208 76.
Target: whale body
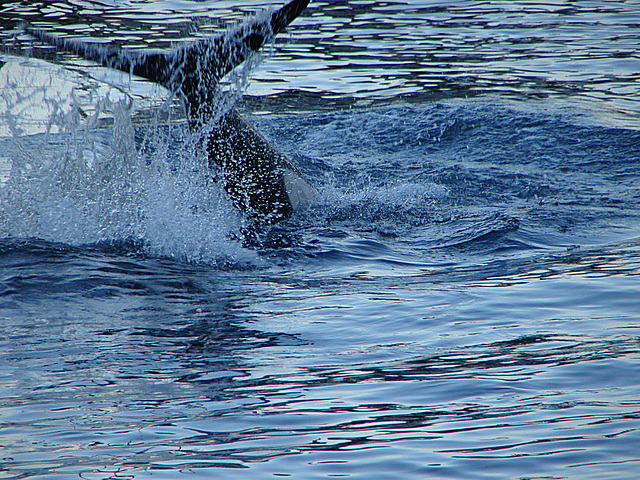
pixel 259 180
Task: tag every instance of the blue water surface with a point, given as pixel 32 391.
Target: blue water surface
pixel 460 302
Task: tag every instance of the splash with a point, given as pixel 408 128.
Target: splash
pixel 74 169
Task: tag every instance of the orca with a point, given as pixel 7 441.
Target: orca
pixel 259 180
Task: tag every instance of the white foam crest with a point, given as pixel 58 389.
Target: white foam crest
pixel 77 184
pixel 64 179
pixel 394 196
pixel 187 214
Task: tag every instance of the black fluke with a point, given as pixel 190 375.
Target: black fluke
pixel 253 170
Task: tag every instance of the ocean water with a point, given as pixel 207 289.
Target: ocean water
pixel 462 301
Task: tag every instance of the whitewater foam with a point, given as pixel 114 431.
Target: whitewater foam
pixel 65 178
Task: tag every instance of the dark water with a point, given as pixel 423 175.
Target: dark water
pixel 462 302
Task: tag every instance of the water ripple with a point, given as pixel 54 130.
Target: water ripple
pixel 417 49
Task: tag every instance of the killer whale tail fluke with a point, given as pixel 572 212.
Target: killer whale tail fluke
pixel 282 17
pixel 257 178
pixel 139 63
pixel 211 58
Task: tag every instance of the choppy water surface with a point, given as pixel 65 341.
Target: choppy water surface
pixel 462 302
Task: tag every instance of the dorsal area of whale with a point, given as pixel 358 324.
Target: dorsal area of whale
pixel 259 180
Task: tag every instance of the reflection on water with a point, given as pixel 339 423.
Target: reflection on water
pixel 462 304
pixel 142 366
pixel 417 49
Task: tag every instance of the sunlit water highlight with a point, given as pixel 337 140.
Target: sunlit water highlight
pixel 461 303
